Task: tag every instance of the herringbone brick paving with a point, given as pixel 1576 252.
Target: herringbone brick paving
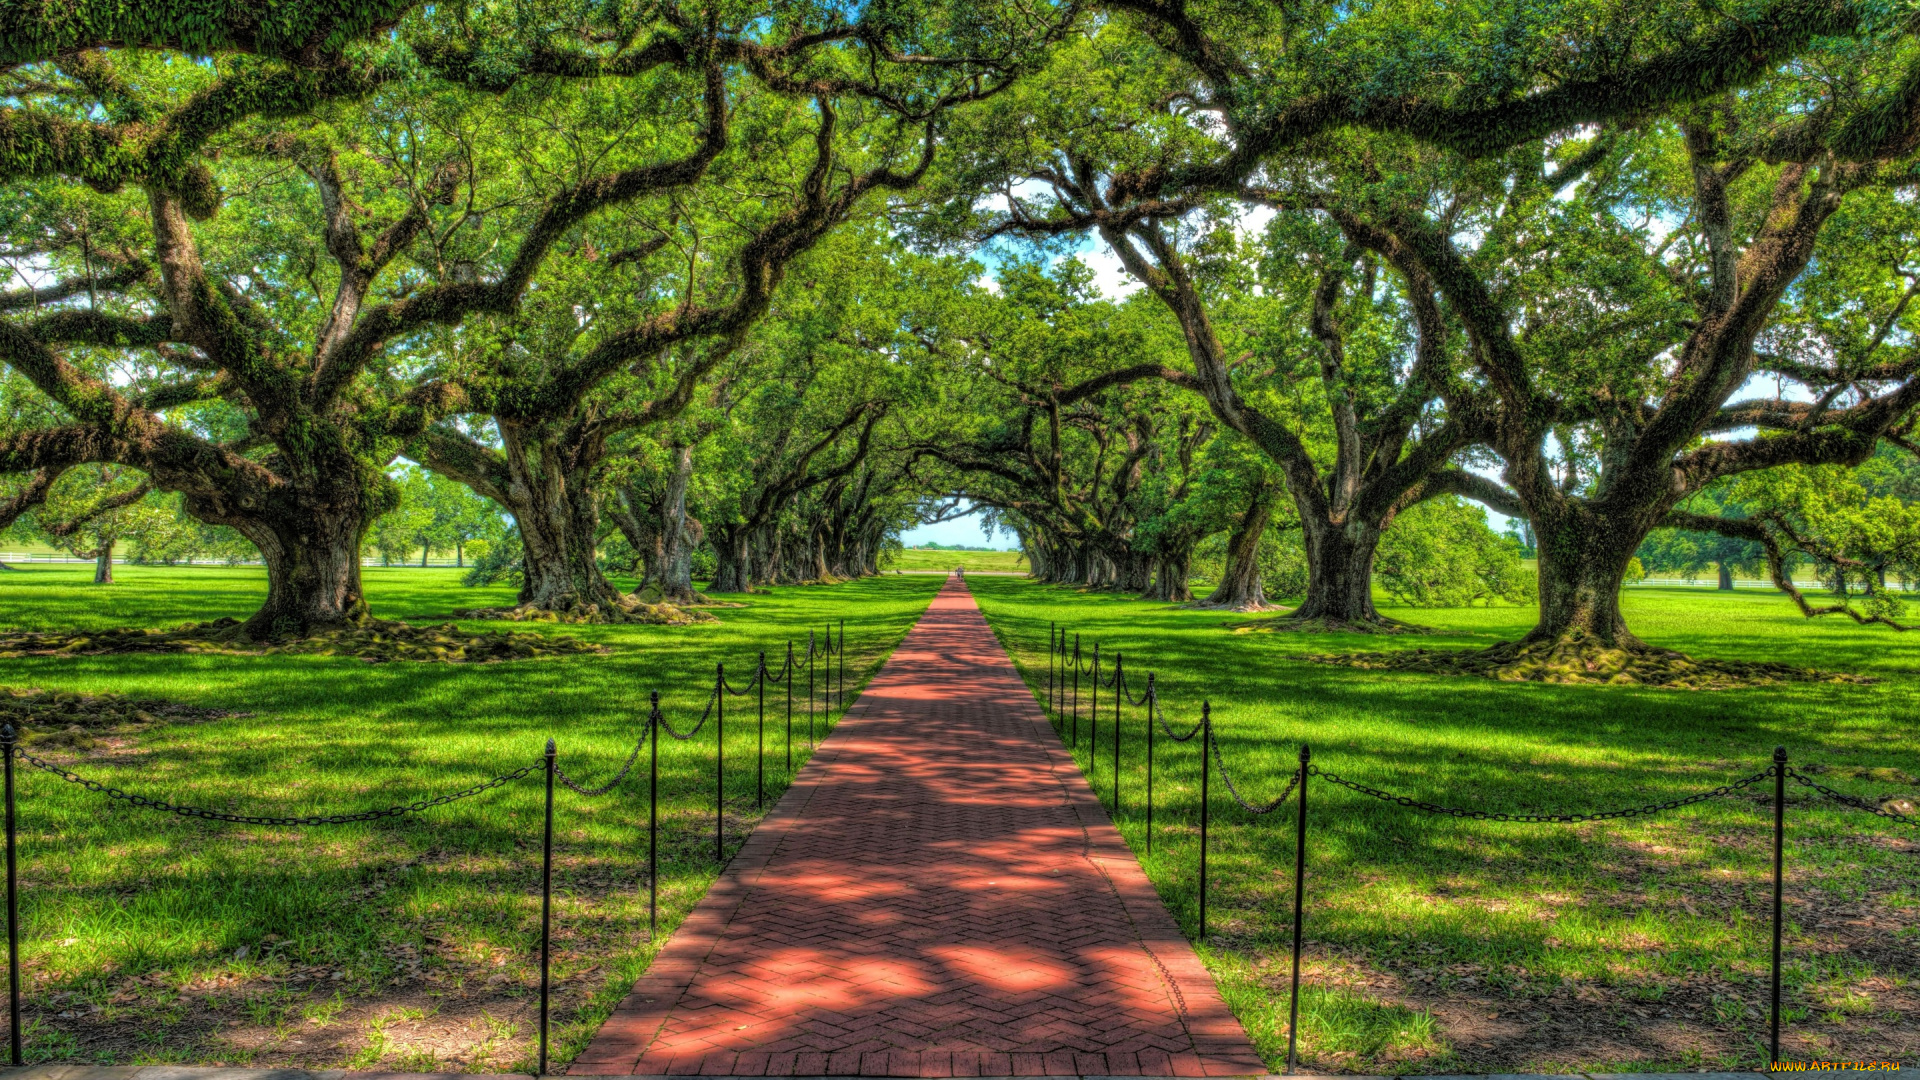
pixel 938 894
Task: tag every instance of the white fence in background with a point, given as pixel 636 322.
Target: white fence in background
pixel 1709 582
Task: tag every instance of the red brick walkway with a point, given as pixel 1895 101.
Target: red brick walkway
pixel 938 894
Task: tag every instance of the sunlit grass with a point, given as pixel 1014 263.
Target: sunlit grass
pixel 943 561
pixel 113 895
pixel 1435 906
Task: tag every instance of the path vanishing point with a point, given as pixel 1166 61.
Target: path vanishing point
pixel 938 894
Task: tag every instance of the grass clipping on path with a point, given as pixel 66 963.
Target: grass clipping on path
pixel 1571 661
pixel 376 641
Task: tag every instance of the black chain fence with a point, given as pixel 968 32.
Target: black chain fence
pixel 161 805
pixel 1720 792
pixel 656 722
pixel 1068 661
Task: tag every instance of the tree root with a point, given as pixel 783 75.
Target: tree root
pixel 1247 607
pixel 627 610
pixel 1287 624
pixel 77 722
pixel 1588 662
pixel 375 641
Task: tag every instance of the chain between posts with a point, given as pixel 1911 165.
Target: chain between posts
pixel 667 726
pixel 165 807
pixel 1061 660
pixel 638 745
pixel 547 763
pixel 1220 762
pixel 1852 801
pixel 1722 791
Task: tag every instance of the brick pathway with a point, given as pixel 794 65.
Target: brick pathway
pixel 938 894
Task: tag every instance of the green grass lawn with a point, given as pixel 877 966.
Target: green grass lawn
pixel 916 559
pixel 1438 944
pixel 404 944
pixel 1434 944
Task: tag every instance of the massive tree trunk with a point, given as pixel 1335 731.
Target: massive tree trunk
pixel 1241 588
pixel 557 529
pixel 818 567
pixel 1170 573
pixel 313 571
pixel 544 479
pixel 732 553
pixel 679 533
pixel 103 564
pixel 1039 566
pixel 1726 577
pixel 1340 587
pixel 1583 564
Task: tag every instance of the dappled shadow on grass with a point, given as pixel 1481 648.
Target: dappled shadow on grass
pixel 1557 924
pixel 1576 663
pixel 331 734
pixel 376 641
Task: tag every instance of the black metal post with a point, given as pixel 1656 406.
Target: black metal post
pixel 1119 695
pixel 1075 741
pixel 1299 908
pixel 1093 721
pixel 653 826
pixel 1050 661
pixel 1779 858
pixel 720 764
pixel 1152 707
pixel 8 736
pixel 1206 770
pixel 1060 680
pixel 811 648
pixel 789 708
pixel 546 908
pixel 1057 682
pixel 760 736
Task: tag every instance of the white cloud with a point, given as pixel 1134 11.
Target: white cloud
pixel 1109 277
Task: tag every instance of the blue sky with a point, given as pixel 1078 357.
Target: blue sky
pixel 963 530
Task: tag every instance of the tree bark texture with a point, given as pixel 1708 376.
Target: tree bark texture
pixel 313 571
pixel 1240 587
pixel 1341 589
pixel 1583 565
pixel 732 552
pixel 1171 571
